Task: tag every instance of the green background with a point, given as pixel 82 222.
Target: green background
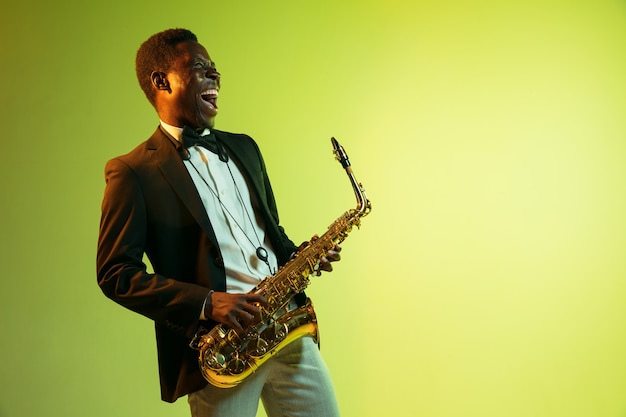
pixel 489 279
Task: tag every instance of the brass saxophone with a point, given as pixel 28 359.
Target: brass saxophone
pixel 226 357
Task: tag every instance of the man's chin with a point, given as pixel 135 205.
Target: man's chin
pixel 207 122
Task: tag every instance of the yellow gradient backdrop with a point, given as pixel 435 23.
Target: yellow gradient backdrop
pixel 489 279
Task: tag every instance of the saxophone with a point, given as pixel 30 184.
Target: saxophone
pixel 226 357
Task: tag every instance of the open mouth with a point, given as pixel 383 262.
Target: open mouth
pixel 210 96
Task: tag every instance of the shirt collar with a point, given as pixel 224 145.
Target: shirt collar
pixel 177 132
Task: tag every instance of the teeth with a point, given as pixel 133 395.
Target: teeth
pixel 211 92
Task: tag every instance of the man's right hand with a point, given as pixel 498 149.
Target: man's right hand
pixel 237 311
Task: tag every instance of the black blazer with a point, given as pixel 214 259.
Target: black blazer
pixel 151 206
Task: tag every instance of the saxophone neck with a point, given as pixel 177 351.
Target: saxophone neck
pixel 363 204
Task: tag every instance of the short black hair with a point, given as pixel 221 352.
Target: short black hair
pixel 158 53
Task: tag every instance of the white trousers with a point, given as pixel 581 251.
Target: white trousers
pixel 294 383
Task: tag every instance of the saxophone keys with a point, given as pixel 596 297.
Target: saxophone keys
pixel 215 361
pixel 257 347
pixel 236 365
pixel 275 333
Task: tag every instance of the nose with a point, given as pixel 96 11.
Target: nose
pixel 213 74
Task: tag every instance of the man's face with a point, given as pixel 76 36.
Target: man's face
pixel 194 87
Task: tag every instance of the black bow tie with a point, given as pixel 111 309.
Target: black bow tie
pixel 191 138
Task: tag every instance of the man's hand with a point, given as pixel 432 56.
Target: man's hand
pixel 332 255
pixel 237 311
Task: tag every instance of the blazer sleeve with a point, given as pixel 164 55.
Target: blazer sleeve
pixel 122 274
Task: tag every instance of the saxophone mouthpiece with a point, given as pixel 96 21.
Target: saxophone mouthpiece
pixel 340 153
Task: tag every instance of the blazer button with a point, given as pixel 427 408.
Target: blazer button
pixel 219 262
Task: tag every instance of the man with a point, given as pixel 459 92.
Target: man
pixel 207 220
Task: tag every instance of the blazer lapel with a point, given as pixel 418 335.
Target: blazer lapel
pixel 248 162
pixel 169 161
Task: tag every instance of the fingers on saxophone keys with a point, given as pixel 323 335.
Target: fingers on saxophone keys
pixel 239 322
pixel 242 319
pixel 325 262
pixel 325 265
pixel 333 255
pixel 257 301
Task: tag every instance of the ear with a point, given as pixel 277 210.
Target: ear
pixel 159 81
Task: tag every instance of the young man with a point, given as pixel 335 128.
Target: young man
pixel 206 217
